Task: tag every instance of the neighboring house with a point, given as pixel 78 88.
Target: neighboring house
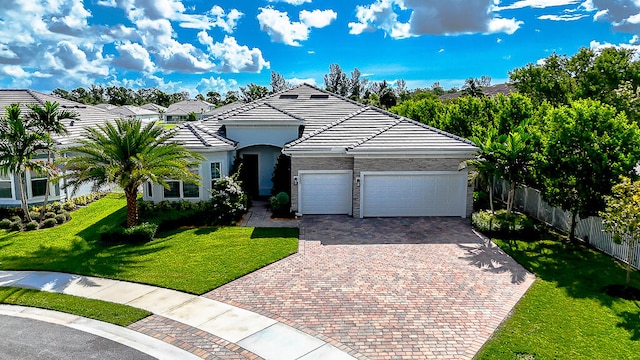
pixel 179 112
pixel 89 116
pixel 155 108
pixel 134 112
pixel 489 91
pixel 106 107
pixel 346 158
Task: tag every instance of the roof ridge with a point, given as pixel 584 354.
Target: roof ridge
pixel 436 130
pixel 327 127
pixel 32 93
pixel 207 131
pixel 195 133
pixel 284 112
pixel 380 131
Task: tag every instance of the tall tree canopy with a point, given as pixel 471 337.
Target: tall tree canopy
pixel 587 147
pixel 129 154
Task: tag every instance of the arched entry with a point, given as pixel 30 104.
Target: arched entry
pixel 258 162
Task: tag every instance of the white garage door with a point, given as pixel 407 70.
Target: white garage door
pixel 325 192
pixel 429 193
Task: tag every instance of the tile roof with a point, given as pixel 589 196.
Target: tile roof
pixel 130 110
pixel 196 136
pixel 189 106
pixel 88 116
pixel 154 107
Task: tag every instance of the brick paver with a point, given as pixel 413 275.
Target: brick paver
pixel 195 341
pixel 408 288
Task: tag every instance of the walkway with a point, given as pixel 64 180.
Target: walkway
pixel 207 328
pixel 260 216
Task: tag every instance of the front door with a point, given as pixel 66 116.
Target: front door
pixel 250 176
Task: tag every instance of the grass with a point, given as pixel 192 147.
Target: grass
pixel 191 260
pixel 565 314
pixel 117 314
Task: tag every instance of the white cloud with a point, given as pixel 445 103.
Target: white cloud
pixel 538 4
pixel 216 17
pixel 430 17
pixel 296 81
pixel 281 29
pixel 635 47
pixel 134 57
pixel 216 84
pixel 318 18
pixel 292 2
pixel 565 17
pixel 624 15
pixel 233 57
pixel 500 25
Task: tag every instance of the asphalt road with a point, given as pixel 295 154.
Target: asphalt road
pixel 22 338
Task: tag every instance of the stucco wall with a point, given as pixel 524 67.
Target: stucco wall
pixel 315 163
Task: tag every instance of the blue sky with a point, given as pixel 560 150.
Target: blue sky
pixel 199 45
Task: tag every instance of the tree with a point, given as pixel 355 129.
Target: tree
pixel 548 81
pixel 514 158
pixel 214 98
pixel 278 83
pixel 49 120
pixel 128 155
pixel 472 87
pixel 388 98
pixel 231 96
pixel 200 97
pixel 253 92
pixel 484 166
pixel 336 80
pixel 20 144
pixel 622 216
pixel 356 85
pixel 586 148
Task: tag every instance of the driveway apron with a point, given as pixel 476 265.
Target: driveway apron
pixel 388 288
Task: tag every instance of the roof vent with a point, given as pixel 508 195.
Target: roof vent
pixel 71 122
pixel 288 96
pixel 319 96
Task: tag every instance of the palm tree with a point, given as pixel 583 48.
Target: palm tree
pixel 128 155
pixel 485 165
pixel 20 143
pixel 515 157
pixel 49 121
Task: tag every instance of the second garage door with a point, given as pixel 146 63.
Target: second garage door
pixel 325 192
pixel 427 193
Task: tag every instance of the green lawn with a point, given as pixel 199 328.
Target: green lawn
pixel 122 315
pixel 565 315
pixel 192 260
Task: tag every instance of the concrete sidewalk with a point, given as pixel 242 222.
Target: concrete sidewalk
pixel 259 335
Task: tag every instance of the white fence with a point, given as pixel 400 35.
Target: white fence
pixel 590 230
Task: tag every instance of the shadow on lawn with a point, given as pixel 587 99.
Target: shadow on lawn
pixel 261 233
pixel 582 272
pixel 92 233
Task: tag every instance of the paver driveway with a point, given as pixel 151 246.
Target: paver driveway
pixel 402 288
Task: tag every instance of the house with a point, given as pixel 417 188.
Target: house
pixel 134 112
pixel 346 157
pixel 88 116
pixel 179 112
pixel 158 109
pixel 489 91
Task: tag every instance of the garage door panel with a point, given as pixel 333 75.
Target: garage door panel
pixel 414 194
pixel 325 192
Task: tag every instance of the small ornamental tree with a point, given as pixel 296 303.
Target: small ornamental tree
pixel 622 216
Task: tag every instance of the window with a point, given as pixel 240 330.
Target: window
pixel 38 184
pixel 5 187
pixel 215 172
pixel 190 190
pixel 149 189
pixel 174 189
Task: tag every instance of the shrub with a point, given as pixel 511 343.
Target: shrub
pixel 5 223
pixel 60 218
pixel 31 225
pixel 16 218
pixel 54 206
pixel 34 214
pixel 49 215
pixel 16 226
pixel 480 200
pixel 69 205
pixel 502 224
pixel 67 215
pixel 280 204
pixel 51 222
pixel 138 234
pixel 228 201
